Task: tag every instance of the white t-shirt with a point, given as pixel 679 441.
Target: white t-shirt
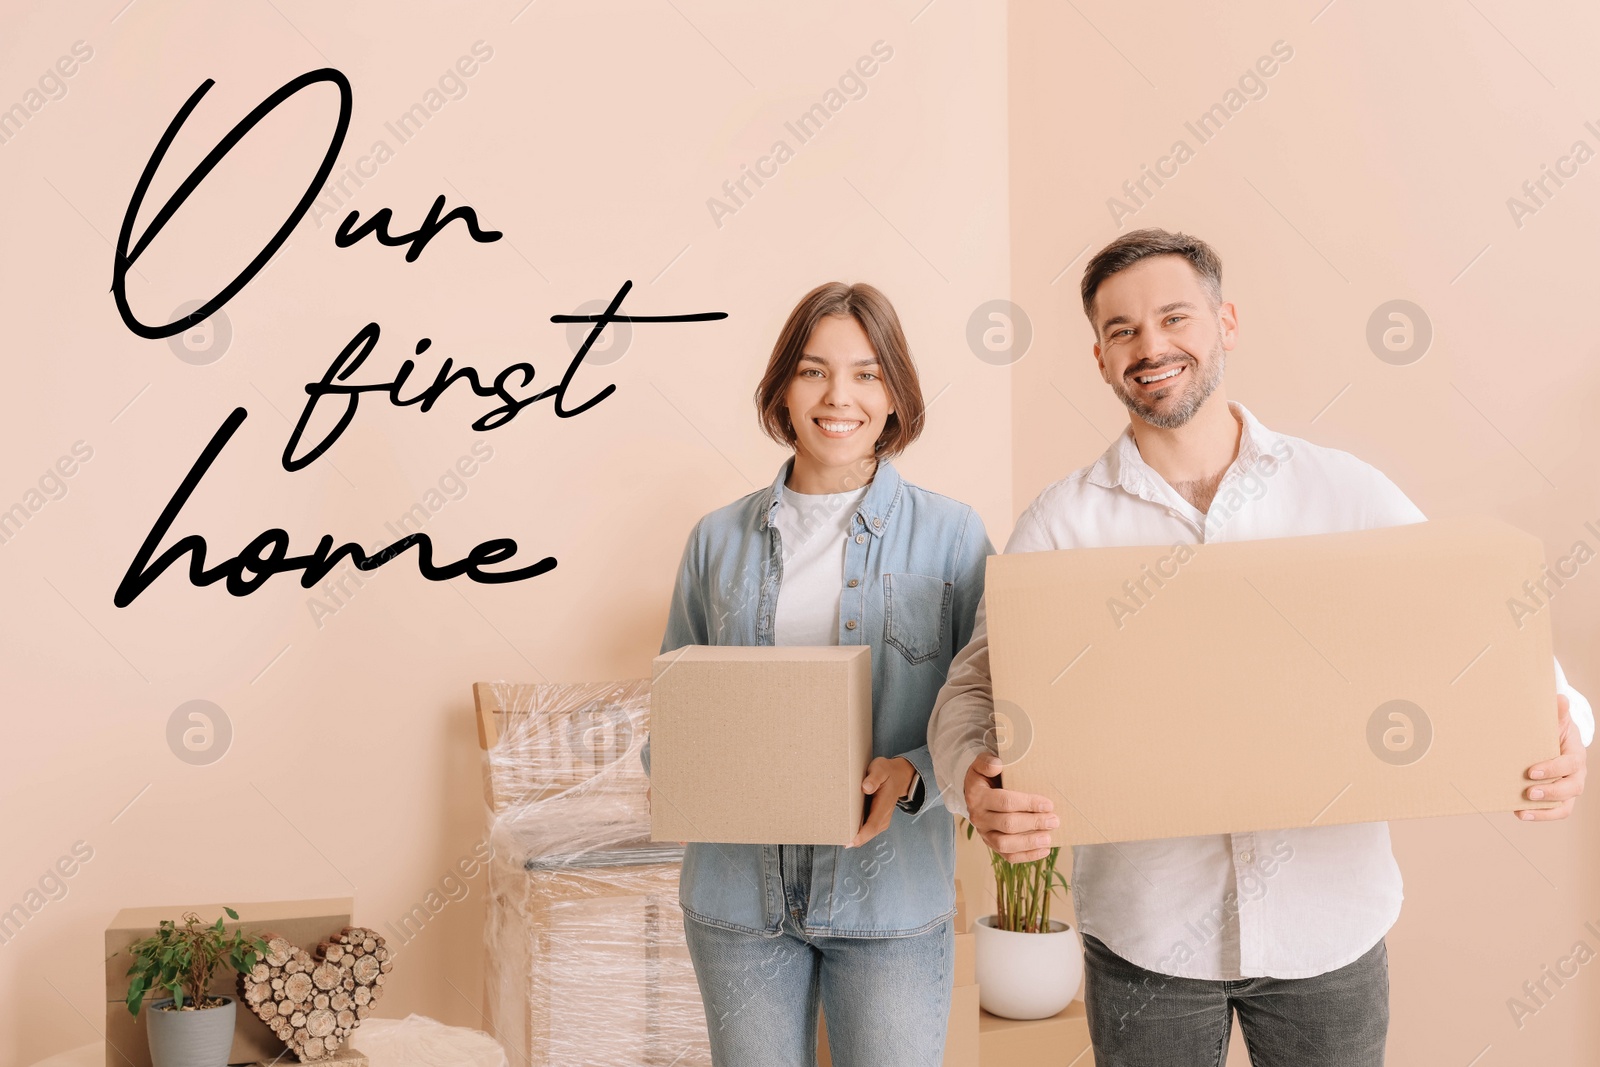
pixel 812 529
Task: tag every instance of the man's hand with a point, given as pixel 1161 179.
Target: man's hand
pixel 1010 822
pixel 1560 778
pixel 886 782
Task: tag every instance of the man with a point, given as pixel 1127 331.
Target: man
pixel 1301 960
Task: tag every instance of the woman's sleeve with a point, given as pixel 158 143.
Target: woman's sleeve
pixel 974 559
pixel 971 556
pixel 686 616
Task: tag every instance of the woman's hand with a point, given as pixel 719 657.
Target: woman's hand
pixel 886 782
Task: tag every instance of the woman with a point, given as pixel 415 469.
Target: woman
pixel 838 550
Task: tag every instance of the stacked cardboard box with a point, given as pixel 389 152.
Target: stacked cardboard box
pixel 602 971
pixel 1058 1041
pixel 306 923
pixel 962 1040
pixel 586 960
pixel 962 1036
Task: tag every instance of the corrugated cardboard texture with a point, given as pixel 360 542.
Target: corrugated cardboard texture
pixel 760 745
pixel 306 923
pixel 1169 691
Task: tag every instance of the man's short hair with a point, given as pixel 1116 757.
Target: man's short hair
pixel 1132 247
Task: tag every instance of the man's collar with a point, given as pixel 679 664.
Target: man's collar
pixel 1120 465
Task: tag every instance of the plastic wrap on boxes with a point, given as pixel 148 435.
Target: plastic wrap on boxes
pixel 584 936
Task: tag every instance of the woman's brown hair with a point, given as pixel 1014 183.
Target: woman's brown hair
pixel 872 310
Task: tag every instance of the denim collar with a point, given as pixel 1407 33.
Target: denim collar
pixel 1122 466
pixel 875 508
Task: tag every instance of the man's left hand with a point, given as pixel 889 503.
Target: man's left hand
pixel 1560 778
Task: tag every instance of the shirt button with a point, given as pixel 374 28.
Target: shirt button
pixel 850 624
pixel 853 583
pixel 860 538
pixel 877 524
pixel 1246 857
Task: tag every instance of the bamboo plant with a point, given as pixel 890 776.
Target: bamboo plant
pixel 1023 891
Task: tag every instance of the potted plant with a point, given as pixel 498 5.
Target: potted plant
pixel 1030 966
pixel 189 1028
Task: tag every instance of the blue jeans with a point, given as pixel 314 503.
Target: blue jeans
pixel 1138 1017
pixel 887 999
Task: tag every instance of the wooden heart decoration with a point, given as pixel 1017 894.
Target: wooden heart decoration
pixel 313 1004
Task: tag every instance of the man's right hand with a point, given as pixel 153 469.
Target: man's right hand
pixel 1014 824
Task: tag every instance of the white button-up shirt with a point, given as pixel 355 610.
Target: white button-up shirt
pixel 1283 903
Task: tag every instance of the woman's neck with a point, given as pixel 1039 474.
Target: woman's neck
pixel 817 479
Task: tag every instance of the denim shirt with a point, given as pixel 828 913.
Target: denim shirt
pixel 913 576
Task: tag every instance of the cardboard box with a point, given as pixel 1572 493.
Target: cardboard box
pixel 760 745
pixel 963 920
pixel 306 923
pixel 1059 1041
pixel 1337 678
pixel 966 959
pixel 551 740
pixel 961 1042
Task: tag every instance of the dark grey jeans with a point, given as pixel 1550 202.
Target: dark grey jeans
pixel 1138 1018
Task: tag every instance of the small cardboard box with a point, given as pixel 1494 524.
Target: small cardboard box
pixel 306 923
pixel 1336 678
pixel 760 745
pixel 1058 1041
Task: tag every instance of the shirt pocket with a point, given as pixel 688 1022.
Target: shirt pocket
pixel 916 611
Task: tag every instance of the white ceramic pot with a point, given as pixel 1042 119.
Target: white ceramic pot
pixel 1027 976
pixel 190 1038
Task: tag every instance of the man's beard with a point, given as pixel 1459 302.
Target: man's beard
pixel 1183 407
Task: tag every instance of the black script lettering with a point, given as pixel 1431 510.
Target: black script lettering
pixel 125 259
pixel 355 353
pixel 378 226
pixel 268 554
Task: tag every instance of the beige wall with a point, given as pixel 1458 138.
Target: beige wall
pixel 593 137
pixel 1376 167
